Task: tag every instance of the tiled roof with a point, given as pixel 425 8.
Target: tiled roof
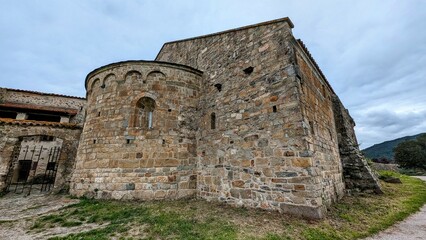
pixel 9 121
pixel 42 93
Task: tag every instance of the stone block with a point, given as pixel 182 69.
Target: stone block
pixel 301 162
pixel 238 184
pixel 286 174
pixel 160 194
pixel 303 211
pixel 167 162
pixel 129 186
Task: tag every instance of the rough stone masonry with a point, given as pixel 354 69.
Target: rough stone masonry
pixel 243 116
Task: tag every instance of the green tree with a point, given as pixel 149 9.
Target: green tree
pixel 412 154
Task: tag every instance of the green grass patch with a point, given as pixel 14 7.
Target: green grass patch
pixel 352 218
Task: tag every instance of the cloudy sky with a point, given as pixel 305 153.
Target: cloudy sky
pixel 372 52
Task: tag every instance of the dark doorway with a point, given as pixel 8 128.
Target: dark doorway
pixel 24 170
pixel 34 164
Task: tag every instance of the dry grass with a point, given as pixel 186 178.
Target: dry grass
pixel 353 217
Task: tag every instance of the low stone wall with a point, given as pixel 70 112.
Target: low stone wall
pixel 384 167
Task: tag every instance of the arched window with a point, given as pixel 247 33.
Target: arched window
pixel 145 111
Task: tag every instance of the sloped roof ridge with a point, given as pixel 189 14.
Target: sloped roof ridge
pixel 284 19
pixel 9 121
pixel 42 93
pixel 305 49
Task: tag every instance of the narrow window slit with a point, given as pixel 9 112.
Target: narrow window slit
pixel 213 121
pixel 274 109
pixel 218 86
pixel 248 70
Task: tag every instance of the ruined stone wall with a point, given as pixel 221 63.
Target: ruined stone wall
pixel 120 156
pixel 257 154
pixel 11 132
pixel 357 174
pixel 45 99
pixel 320 130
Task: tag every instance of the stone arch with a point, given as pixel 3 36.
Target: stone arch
pixel 95 83
pixel 155 75
pixel 109 80
pixel 144 94
pixel 133 76
pixel 213 121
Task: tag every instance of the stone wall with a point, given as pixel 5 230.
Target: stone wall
pixel 318 121
pixel 384 167
pixel 258 154
pixel 16 132
pixel 139 139
pixel 357 174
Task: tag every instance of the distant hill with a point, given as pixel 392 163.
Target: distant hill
pixel 385 149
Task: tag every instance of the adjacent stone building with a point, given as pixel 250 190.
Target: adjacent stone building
pixel 39 134
pixel 243 116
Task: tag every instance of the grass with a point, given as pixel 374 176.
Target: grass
pixel 353 217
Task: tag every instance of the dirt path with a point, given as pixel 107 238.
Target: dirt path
pixel 17 214
pixel 413 227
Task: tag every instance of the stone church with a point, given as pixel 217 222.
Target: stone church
pixel 244 116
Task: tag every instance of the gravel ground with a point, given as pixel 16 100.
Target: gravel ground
pixel 412 228
pixel 17 215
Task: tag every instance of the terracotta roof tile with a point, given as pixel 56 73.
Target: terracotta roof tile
pixel 42 93
pixel 69 111
pixel 9 121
